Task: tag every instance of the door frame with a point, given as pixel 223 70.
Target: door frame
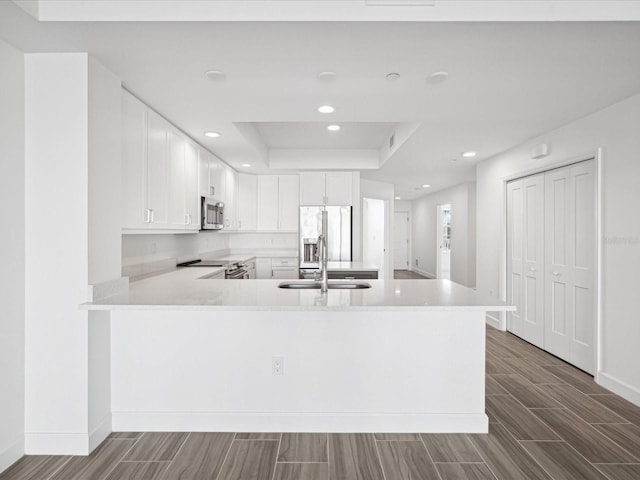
pixel 407 213
pixel 388 259
pixel 439 209
pixel 597 157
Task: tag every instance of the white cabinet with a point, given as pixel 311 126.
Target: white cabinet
pixel 160 173
pixel 247 201
pixel 288 202
pixel 277 202
pixel 230 198
pixel 212 176
pixel 331 188
pixel 263 268
pixel 268 202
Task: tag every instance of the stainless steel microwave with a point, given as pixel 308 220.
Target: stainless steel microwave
pixel 211 214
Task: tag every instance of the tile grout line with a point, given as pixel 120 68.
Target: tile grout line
pixel 378 456
pixel 59 468
pixel 226 455
pixel 174 457
pixel 468 437
pixel 275 463
pixel 120 459
pixel 424 445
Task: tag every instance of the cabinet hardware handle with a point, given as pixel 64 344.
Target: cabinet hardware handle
pixel 152 215
pixel 147 215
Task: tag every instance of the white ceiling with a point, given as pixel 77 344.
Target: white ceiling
pixel 507 81
pixel 316 135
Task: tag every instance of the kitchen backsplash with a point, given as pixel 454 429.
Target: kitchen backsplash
pixel 144 255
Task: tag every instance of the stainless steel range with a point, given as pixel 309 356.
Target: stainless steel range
pixel 233 270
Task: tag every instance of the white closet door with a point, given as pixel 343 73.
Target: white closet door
pixel 515 227
pixel 525 268
pixel 570 275
pixel 533 258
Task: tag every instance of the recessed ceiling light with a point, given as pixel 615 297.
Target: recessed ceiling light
pixel 426 185
pixel 215 75
pixel 397 198
pixel 327 77
pixel 326 109
pixel 333 128
pixel 211 134
pixel 469 154
pixel 392 77
pixel 246 165
pixel 437 77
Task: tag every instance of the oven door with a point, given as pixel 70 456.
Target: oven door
pixel 237 274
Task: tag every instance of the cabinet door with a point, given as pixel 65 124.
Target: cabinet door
pixel 157 171
pixel 134 162
pixel 230 198
pixel 204 159
pixel 177 180
pixel 217 179
pixel 288 273
pixel 312 189
pixel 288 202
pixel 339 188
pixel 247 201
pixel 263 268
pixel 192 195
pixel 267 202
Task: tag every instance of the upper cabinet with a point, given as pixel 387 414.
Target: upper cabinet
pixel 331 188
pixel 268 203
pixel 247 201
pixel 288 202
pixel 160 172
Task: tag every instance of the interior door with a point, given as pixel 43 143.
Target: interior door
pixel 401 241
pixel 515 262
pixel 533 260
pixel 570 264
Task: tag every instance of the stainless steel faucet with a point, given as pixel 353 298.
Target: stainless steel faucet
pixel 322 241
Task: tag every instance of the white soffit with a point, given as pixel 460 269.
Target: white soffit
pixel 334 10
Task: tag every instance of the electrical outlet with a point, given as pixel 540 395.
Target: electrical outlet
pixel 277 365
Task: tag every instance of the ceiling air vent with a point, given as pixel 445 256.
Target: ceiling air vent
pixel 392 140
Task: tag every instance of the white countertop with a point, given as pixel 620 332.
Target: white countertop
pixel 185 289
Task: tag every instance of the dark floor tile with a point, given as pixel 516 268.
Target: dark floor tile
pixel 627 435
pixel 156 446
pixel 561 461
pixel 522 424
pixel 505 457
pixel 353 456
pixel 532 372
pixel 464 471
pixel 34 467
pixel 491 387
pixel 124 435
pixel 620 406
pixel 580 404
pixel 502 351
pixel 590 443
pixel 526 392
pixel 620 472
pixel 97 465
pixel 250 459
pixel 454 447
pixel 406 461
pixel 302 471
pixel 400 437
pixel 138 471
pixel 576 378
pixel 495 365
pixel 258 436
pixel 303 447
pixel 200 457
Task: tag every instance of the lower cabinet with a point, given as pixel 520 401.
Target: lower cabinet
pixel 263 268
pixel 354 275
pixel 285 268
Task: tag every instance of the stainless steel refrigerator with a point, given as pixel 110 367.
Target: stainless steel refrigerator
pixel 338 235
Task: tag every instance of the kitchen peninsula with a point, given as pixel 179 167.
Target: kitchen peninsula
pixel 190 353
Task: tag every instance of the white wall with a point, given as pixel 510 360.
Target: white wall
pixel 373 233
pixel 463 233
pixel 615 129
pixel 381 191
pixel 12 255
pixel 68 129
pixel 406 206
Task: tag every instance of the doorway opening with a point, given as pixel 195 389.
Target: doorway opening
pixel 373 233
pixel 401 241
pixel 443 242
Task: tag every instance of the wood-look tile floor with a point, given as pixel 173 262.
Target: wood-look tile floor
pixel 548 420
pixel 408 274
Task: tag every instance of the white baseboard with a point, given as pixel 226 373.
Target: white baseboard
pixel 626 391
pixel 494 322
pixel 100 433
pixel 423 272
pixel 265 422
pixel 67 443
pixel 11 455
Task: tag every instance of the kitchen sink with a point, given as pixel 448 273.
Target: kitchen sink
pixel 301 284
